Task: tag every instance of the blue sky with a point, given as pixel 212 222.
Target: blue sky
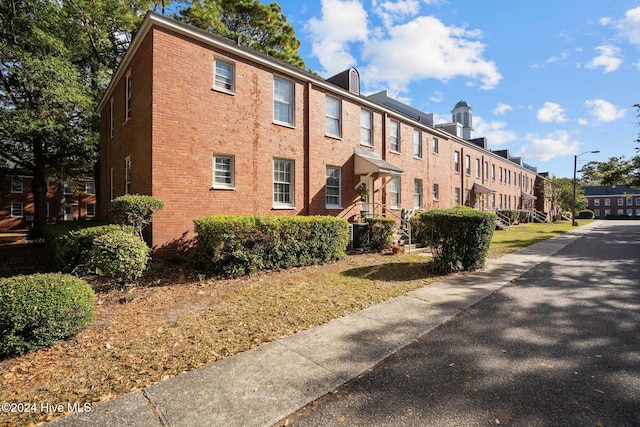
pixel 546 79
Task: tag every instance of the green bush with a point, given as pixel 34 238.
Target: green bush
pixel 459 237
pixel 135 210
pixel 120 255
pixel 38 310
pixel 381 233
pixel 516 216
pixel 69 244
pixel 232 246
pixel 585 214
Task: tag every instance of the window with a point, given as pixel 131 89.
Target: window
pixel 91 210
pixel 111 120
pixel 620 201
pixel 629 201
pixel 467 165
pixel 629 212
pixel 16 185
pixel 417 194
pixel 596 202
pixel 620 212
pixel 223 76
pixel 477 168
pixel 637 212
pixel 332 117
pixel 436 192
pixel 607 212
pixel 456 195
pixel 283 183
pixel 493 200
pixel 394 190
pixel 417 143
pixel 333 188
pixel 282 101
pixel 223 172
pixel 467 197
pixel 456 161
pixel 637 202
pixel 67 189
pixel 607 202
pixel 596 212
pixel 509 177
pixel 366 128
pixel 493 172
pixel 435 145
pixel 16 210
pixel 127 95
pixel 394 136
pixel 501 174
pixel 90 187
pixel 486 170
pixel 127 175
pixel 111 184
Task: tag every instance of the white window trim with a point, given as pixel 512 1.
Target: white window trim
pixel 290 102
pixel 395 137
pixel 21 215
pixel 112 120
pixel 398 202
pixel 436 192
pixel 127 175
pixel 435 147
pixel 281 205
pixel 21 181
pixel 221 186
pixel 94 210
pixel 420 194
pixel 418 133
pixel 219 84
pixel 369 129
pixel 86 188
pixel 339 172
pixel 127 96
pixel 337 119
pixel 456 162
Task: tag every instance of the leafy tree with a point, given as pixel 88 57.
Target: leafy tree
pixel 135 210
pixel 262 27
pixel 560 192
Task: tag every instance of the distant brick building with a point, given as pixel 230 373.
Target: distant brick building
pixel 65 202
pixel 613 202
pixel 210 127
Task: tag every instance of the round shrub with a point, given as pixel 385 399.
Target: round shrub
pixel 40 309
pixel 120 255
pixel 585 214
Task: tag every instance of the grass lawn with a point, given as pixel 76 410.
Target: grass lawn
pixel 183 322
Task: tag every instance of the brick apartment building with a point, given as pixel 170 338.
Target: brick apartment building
pixel 65 202
pixel 613 202
pixel 210 127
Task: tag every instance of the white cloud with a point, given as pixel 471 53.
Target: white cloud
pixel 604 111
pixel 605 20
pixel 551 112
pixel 495 132
pixel 401 50
pixel 502 109
pixel 390 12
pixel 583 122
pixel 609 59
pixel 426 48
pixel 343 22
pixel 549 146
pixel 437 97
pixel 629 26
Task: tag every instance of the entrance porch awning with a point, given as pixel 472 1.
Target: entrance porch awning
pixel 368 163
pixel 482 189
pixel 526 196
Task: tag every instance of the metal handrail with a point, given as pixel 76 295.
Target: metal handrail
pixel 402 221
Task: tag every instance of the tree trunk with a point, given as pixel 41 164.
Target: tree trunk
pixel 39 186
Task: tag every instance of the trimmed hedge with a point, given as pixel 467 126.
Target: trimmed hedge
pixel 585 214
pixel 135 210
pixel 120 255
pixel 381 233
pixel 233 246
pixel 459 237
pixel 516 216
pixel 69 244
pixel 40 309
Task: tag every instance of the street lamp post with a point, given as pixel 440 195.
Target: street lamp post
pixel 575 165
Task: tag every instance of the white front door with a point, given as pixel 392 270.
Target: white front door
pixel 68 213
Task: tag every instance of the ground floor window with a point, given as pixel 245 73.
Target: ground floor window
pixel 394 191
pixel 283 183
pixel 17 210
pixel 436 192
pixel 417 194
pixel 223 172
pixel 91 210
pixel 596 212
pixel 333 187
pixel 456 195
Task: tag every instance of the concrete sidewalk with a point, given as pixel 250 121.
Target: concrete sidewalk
pixel 262 386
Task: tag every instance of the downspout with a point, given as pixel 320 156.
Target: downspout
pixel 306 146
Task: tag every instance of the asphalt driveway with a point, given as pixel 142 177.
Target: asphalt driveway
pixel 558 346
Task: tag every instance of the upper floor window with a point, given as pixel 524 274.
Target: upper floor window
pixel 112 126
pixel 607 202
pixel 333 187
pixel 456 195
pixel 637 202
pixel 332 116
pixel 456 161
pixel 282 101
pixel 493 172
pixel 467 165
pixel 223 172
pixel 436 192
pixel 435 145
pixel 223 76
pixel 486 170
pixel 67 189
pixel 477 168
pixel 629 201
pixel 596 202
pixel 16 185
pixel 17 210
pixel 620 201
pixel 283 183
pixel 366 128
pixel 127 97
pixel 417 143
pixel 394 136
pixel 90 187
